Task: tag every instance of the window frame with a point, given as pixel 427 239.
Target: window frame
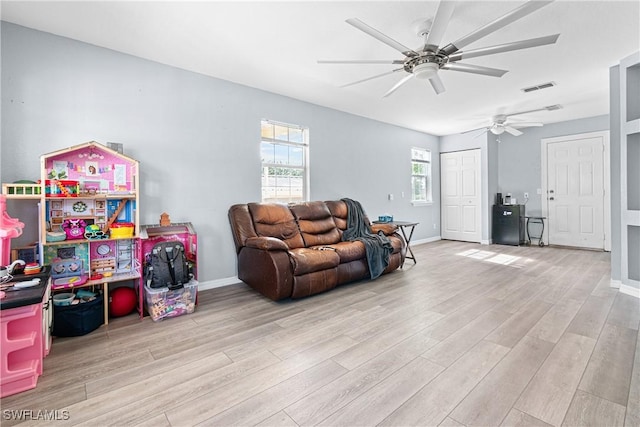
pixel 304 145
pixel 428 176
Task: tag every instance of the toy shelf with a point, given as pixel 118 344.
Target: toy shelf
pixel 93 196
pixel 79 241
pixel 89 191
pixel 22 191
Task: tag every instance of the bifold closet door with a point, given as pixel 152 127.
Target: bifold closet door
pixel 460 195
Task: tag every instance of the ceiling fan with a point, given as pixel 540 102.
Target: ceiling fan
pixel 500 123
pixel 425 63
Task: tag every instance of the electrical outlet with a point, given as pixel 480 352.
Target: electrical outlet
pixel 435 226
pixel 390 196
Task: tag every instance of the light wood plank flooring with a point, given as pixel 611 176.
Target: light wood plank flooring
pixel 470 335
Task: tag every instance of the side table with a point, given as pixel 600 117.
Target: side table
pixel 403 225
pixel 536 220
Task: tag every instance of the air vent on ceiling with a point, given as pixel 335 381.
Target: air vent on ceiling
pixel 538 87
pixel 553 107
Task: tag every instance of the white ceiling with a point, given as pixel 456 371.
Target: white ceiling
pixel 275 46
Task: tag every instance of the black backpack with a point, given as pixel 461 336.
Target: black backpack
pixel 166 266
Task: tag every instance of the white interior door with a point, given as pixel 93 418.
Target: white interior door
pixel 460 196
pixel 575 192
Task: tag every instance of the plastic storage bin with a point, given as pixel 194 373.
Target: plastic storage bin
pixel 162 302
pixel 120 230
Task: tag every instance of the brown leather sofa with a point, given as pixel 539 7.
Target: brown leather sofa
pixel 293 251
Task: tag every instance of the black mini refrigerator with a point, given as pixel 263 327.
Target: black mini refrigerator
pixel 508 225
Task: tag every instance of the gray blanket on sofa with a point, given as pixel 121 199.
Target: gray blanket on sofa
pixel 378 246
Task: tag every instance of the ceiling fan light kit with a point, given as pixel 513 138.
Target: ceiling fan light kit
pixel 424 63
pixel 425 70
pixel 497 129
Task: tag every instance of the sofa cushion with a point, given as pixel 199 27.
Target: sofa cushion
pixel 306 260
pixel 276 220
pixel 349 251
pixel 316 223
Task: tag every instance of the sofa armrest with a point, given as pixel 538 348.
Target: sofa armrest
pixel 387 229
pixel 266 243
pixel 268 272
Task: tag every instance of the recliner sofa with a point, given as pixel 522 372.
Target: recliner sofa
pixel 296 250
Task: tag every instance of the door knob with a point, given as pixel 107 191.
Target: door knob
pixel 550 191
pixel 551 198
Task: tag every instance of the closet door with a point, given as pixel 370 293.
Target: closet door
pixel 460 195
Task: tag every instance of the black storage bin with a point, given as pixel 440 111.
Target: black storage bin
pixel 79 319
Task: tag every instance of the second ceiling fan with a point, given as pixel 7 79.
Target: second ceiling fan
pixel 501 123
pixel 425 63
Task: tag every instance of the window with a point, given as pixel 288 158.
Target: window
pixel 284 153
pixel 420 175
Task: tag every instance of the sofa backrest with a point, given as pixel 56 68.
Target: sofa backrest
pixel 316 223
pixel 276 220
pixel 340 214
pixel 241 225
pixel 338 210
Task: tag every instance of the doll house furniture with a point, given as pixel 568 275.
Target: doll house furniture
pixel 89 221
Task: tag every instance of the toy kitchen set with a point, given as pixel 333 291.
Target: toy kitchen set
pixel 88 225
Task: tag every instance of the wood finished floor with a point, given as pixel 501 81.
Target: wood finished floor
pixel 471 335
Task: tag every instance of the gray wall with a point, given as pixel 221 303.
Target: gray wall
pixel 520 157
pixel 196 137
pixel 512 164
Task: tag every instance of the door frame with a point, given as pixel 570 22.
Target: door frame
pixel 544 144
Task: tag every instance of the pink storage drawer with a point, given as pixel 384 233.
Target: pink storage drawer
pixel 20 349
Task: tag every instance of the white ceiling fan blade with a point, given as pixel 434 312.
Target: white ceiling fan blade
pixel 512 16
pixel 525 125
pixel 439 26
pixel 373 77
pixel 437 84
pixel 381 37
pixel 360 61
pixel 512 131
pixel 397 85
pixel 475 69
pixel 491 50
pixel 547 108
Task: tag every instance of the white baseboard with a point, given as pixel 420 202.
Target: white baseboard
pixel 630 290
pixel 485 242
pixel 615 283
pixel 427 240
pixel 218 283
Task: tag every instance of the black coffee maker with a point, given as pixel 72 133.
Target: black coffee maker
pixel 499 200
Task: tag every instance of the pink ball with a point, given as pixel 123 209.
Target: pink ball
pixel 122 301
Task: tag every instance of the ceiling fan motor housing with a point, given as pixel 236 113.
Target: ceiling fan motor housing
pixel 425 65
